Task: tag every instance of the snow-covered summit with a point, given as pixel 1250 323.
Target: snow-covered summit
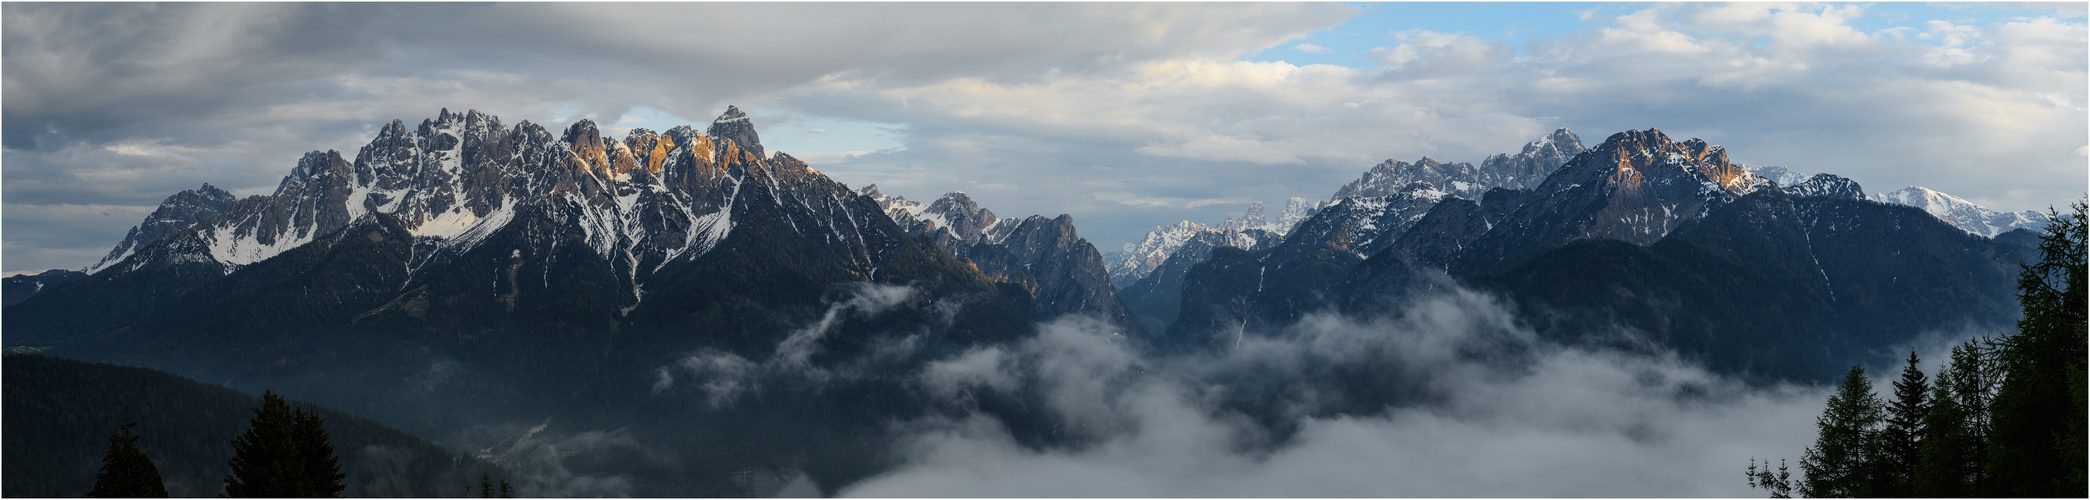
pixel 1781 175
pixel 1963 214
pixel 1958 212
pixel 453 181
pixel 1523 170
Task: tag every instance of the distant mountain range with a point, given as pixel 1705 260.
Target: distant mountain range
pixel 699 290
pixel 1642 241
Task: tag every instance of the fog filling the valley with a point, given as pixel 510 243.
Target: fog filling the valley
pixel 1479 407
pixel 1448 395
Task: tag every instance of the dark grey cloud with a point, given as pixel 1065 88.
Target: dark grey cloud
pixel 1126 116
pixel 125 103
pixel 1990 113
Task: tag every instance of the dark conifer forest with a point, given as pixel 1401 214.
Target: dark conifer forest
pixel 2003 418
pixel 60 414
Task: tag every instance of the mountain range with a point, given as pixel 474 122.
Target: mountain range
pixel 740 311
pixel 1642 241
pixel 463 271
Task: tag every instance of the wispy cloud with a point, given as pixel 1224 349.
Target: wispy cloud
pixel 1050 101
pixel 1448 397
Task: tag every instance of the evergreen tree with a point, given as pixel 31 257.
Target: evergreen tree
pixel 1902 439
pixel 485 486
pixel 283 454
pixel 506 492
pixel 1842 462
pixel 1974 373
pixel 322 471
pixel 1779 484
pixel 127 472
pixel 2036 445
pixel 1946 468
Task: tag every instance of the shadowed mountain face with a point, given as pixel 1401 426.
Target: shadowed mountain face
pixel 20 287
pixel 1641 242
pixel 1636 187
pixel 697 315
pixel 1044 256
pixel 462 273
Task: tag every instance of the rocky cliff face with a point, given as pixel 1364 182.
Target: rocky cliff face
pixel 648 200
pixel 464 272
pixel 641 208
pixel 1636 187
pixel 177 212
pixel 1255 229
pixel 1045 256
pixel 1524 170
pixel 1829 185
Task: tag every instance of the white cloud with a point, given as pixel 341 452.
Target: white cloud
pixel 1223 148
pixel 722 377
pixel 1057 103
pixel 1312 49
pixel 1557 421
pixel 1429 54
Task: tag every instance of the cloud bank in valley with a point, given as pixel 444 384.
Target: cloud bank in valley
pixel 1125 116
pixel 1479 407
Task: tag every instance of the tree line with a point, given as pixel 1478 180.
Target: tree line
pixel 59 413
pixel 2004 417
pixel 284 453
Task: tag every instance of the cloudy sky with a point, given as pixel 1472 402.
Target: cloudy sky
pixel 1126 116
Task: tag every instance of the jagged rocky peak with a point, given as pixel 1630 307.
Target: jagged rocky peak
pixel 587 144
pixel 1530 167
pixel 317 164
pixel 1392 175
pixel 734 125
pixel 648 148
pixel 459 177
pixel 1637 186
pixel 1637 157
pixel 177 212
pixel 1524 170
pixel 1561 142
pixel 1255 217
pixel 1829 185
pixel 1782 176
pixel 953 220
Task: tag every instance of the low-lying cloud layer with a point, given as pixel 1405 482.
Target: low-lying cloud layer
pixel 722 376
pixel 1469 404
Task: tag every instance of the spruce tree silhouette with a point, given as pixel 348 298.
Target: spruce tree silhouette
pixel 283 454
pixel 1902 440
pixel 127 472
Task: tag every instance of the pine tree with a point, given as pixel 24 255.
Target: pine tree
pixel 1779 484
pixel 322 475
pixel 485 486
pixel 127 472
pixel 1842 462
pixel 1946 469
pixel 283 454
pixel 2036 445
pixel 1974 374
pixel 506 492
pixel 1902 439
